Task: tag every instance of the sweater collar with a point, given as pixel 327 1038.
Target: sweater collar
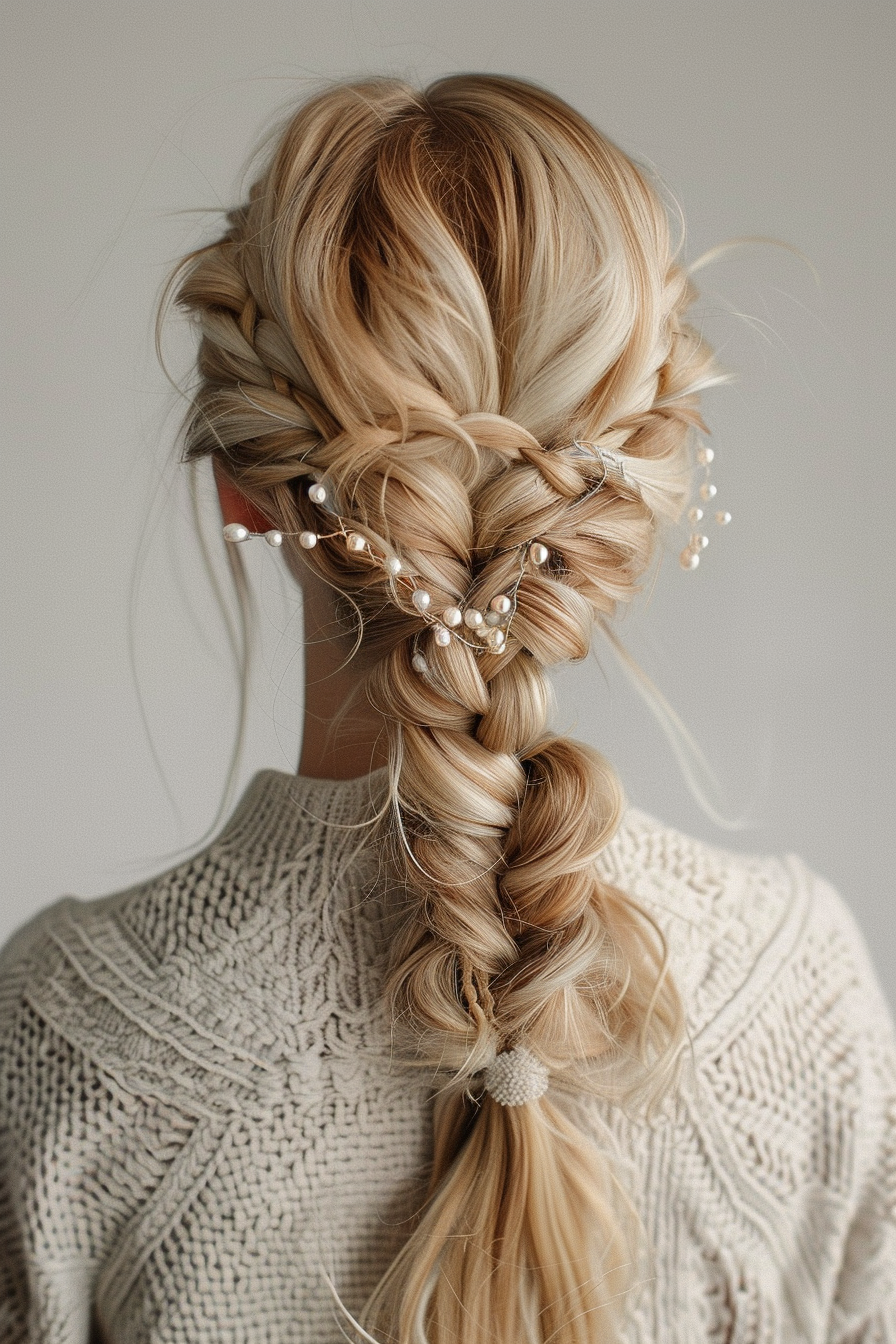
pixel 275 806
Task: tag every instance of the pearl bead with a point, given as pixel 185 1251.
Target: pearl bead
pixel 274 538
pixel 419 663
pixel 452 616
pixel 392 565
pixel 689 559
pixel 538 553
pixel 707 490
pixel 317 493
pixel 496 638
pixel 472 618
pixel 236 532
pixel 699 542
pixel 442 636
pixel 307 540
pixel 705 456
pixel 493 618
pixel 723 518
pixel 695 515
pixel 355 542
pixel 501 604
pixel 421 599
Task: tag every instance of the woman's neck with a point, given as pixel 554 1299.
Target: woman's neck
pixel 337 743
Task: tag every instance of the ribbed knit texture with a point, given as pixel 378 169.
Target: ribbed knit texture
pixel 201 1118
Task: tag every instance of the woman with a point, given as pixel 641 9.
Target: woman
pixel 435 1042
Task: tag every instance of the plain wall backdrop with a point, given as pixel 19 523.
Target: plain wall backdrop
pixel 125 122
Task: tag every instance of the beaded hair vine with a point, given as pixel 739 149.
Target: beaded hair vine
pixel 483 631
pixel 690 556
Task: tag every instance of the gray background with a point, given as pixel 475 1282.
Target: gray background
pixel 767 118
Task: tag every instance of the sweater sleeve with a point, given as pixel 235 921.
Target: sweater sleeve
pixel 53 1226
pixel 50 1228
pixel 41 1156
pixel 864 1307
pixel 79 1156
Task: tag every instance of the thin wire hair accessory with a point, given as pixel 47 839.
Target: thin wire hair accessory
pixel 484 631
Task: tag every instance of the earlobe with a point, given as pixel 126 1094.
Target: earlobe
pixel 235 508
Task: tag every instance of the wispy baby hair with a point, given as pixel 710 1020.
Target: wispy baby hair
pixel 425 296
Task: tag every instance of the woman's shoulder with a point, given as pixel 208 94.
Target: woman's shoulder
pixel 742 927
pixel 225 903
pixel 785 1119
pixel 144 987
pixel 189 984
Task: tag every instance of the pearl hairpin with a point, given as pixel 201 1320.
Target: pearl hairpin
pixel 493 625
pixel 237 532
pixel 488 629
pixel 690 556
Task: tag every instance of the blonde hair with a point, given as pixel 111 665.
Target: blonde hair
pixel 425 294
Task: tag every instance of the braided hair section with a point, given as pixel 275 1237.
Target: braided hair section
pixel 427 297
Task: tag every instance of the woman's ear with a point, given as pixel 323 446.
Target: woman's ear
pixel 235 508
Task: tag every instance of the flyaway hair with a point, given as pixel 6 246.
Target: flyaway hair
pixel 425 296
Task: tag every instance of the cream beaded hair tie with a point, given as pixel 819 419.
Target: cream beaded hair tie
pixel 482 631
pixel 515 1077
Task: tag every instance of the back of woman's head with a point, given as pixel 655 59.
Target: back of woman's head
pixel 427 299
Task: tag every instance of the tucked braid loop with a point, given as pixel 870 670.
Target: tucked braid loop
pixel 426 298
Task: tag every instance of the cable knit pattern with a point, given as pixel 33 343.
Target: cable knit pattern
pixel 201 1116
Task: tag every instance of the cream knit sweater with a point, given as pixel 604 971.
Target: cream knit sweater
pixel 200 1116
